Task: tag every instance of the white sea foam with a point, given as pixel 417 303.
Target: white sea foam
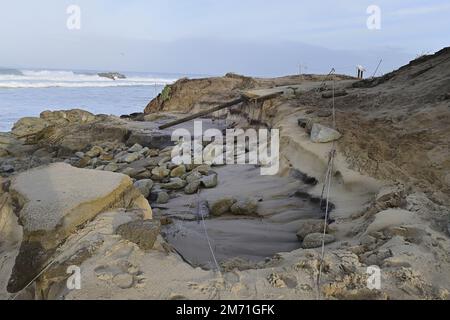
pixel 69 79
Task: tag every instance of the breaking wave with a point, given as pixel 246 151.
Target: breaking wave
pixel 11 78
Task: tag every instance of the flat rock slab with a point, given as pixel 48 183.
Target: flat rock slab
pixel 61 195
pixel 55 201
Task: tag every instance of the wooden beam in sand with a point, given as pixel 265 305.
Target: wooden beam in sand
pixel 219 107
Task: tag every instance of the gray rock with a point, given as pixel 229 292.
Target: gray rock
pixel 171 166
pixel 144 151
pixel 309 226
pixel 135 148
pixel 160 197
pixel 120 155
pixel 112 167
pixel 210 181
pixel 192 187
pixel 178 171
pixel 153 162
pixel 203 169
pixel 141 232
pixel 164 161
pixel 153 153
pixel 314 240
pixel 112 75
pixel 95 152
pixel 6 168
pixel 174 184
pixel 245 207
pixel 222 206
pixel 79 154
pixel 133 172
pixel 83 162
pixel 322 134
pixel 194 176
pixel 160 173
pixel 144 175
pixel 324 113
pixel 144 186
pixel 131 157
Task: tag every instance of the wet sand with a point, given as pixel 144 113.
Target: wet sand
pixel 250 238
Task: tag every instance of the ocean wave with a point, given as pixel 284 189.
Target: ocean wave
pixel 70 79
pixel 10 71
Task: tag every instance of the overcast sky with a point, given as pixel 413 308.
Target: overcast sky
pixel 256 37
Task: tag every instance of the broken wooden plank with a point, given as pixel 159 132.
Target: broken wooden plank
pixel 201 114
pixel 220 107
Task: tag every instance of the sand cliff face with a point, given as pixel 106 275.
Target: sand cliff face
pixel 396 127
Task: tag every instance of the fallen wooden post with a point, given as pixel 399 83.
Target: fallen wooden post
pixel 220 107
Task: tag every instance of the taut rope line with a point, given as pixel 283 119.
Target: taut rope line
pixel 327 187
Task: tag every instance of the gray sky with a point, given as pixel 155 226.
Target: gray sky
pixel 256 37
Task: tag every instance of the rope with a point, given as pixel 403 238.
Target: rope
pixel 325 80
pixel 206 234
pixel 376 70
pixel 327 187
pixel 327 212
pixel 35 278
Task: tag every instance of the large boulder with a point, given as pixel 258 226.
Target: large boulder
pixel 63 117
pixel 28 126
pixel 323 134
pixel 57 199
pixel 187 94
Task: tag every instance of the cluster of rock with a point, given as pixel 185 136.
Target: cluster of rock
pixel 151 169
pixel 237 207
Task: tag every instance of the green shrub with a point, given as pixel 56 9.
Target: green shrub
pixel 165 94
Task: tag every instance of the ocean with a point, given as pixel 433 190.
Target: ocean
pixel 29 92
